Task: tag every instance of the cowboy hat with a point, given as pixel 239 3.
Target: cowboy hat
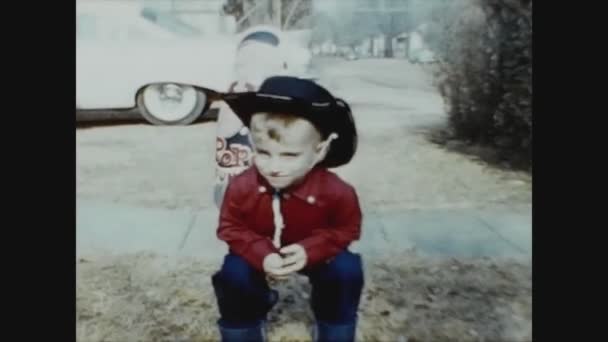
pixel 305 99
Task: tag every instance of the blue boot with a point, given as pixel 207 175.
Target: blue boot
pixel 326 332
pixel 256 333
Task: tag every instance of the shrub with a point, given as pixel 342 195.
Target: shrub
pixel 485 74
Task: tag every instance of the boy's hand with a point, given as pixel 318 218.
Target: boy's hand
pixel 295 259
pixel 273 264
pixel 279 268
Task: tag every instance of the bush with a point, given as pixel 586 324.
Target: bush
pixel 485 74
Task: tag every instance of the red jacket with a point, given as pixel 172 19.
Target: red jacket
pixel 321 213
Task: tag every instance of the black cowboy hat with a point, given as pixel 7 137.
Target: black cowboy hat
pixel 308 100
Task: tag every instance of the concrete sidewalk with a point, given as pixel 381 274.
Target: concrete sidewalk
pixel 111 228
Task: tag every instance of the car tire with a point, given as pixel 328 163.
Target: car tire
pixel 170 104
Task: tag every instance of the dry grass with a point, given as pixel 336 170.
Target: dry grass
pixel 145 297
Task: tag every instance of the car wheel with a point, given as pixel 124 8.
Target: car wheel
pixel 170 104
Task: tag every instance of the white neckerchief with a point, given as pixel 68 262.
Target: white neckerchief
pixel 279 223
pixel 278 219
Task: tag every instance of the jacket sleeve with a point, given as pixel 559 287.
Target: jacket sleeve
pixel 327 242
pixel 232 229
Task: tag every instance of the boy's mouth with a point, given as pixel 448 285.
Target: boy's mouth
pixel 277 180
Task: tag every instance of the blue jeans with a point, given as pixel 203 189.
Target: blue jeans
pixel 244 297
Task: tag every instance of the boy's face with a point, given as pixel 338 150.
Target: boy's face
pixel 286 148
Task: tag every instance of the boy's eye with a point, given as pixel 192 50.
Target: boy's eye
pixel 289 154
pixel 264 153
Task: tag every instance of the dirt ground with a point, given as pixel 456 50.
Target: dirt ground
pixel 147 297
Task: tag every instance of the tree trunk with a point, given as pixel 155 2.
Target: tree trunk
pixel 371 47
pixel 277 12
pixel 388 46
pixel 389 34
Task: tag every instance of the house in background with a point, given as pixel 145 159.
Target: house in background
pixel 417 49
pixel 400 45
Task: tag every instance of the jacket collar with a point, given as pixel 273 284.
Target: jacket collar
pixel 308 190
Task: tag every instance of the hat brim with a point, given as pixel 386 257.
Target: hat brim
pixel 328 117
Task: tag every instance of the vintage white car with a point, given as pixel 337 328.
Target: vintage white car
pixel 128 56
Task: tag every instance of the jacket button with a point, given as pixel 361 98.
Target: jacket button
pixel 310 199
pixel 262 189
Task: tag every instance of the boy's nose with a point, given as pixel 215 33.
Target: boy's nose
pixel 274 167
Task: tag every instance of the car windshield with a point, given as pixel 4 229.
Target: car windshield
pixel 97 22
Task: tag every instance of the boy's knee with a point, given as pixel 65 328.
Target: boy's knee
pixel 236 271
pixel 347 267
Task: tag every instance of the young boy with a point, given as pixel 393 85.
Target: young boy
pixel 263 51
pixel 288 213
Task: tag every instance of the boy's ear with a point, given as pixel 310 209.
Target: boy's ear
pixel 324 146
